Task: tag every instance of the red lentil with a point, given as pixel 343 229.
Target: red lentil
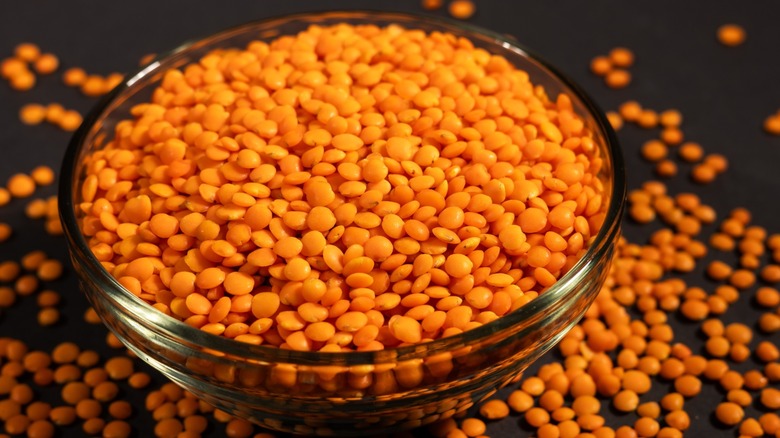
pixel 357 253
pixel 731 35
pixel 462 9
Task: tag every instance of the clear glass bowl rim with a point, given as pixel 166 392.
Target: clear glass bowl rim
pixel 265 354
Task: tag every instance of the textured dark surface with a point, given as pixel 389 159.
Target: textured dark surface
pixel 724 94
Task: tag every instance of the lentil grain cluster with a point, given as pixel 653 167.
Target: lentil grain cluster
pixel 346 188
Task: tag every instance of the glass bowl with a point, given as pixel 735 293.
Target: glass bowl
pixel 354 393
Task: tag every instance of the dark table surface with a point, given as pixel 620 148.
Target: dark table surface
pixel 723 93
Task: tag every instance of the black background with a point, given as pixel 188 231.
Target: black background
pixel 723 93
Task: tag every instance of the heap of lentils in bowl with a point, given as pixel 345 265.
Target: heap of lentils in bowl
pixel 348 188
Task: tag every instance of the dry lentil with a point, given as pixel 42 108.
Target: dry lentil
pixel 621 57
pixel 601 65
pixel 432 4
pixel 32 114
pixel 74 77
pixel 731 35
pixel 462 9
pixel 117 429
pixel 617 78
pixel 729 413
pixel 21 185
pixel 772 124
pixel 46 63
pixel 494 409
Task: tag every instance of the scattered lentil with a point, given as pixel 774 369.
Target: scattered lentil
pixel 731 35
pixel 462 9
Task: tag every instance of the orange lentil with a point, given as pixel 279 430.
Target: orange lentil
pixel 754 380
pixel 766 351
pixel 7 297
pixel 432 4
pixel 770 398
pixel 17 424
pixel 636 381
pixel 93 85
pixel 731 35
pixel 537 417
pixel 74 77
pixel 703 173
pixel 716 162
pixel 672 401
pixel 654 150
pixel 23 81
pixel 494 409
pixel 5 231
pixel 621 57
pixel 770 422
pixel 117 429
pixel 630 111
pixel 601 65
pixel 43 175
pixel 678 419
pixel 32 114
pixel 47 63
pixel 70 120
pixel 751 427
pixel 626 401
pixel 119 367
pixel 672 136
pixel 615 120
pixel 462 9
pixel 50 270
pixel 168 427
pixel 646 426
pixel 27 52
pixel 767 297
pixel 729 413
pixel 26 285
pixel 88 408
pixel 769 322
pixel 5 196
pixel 738 333
pixel 11 67
pixel 21 185
pixel 666 168
pixel 740 397
pixel 670 118
pixel 731 380
pixel 649 409
pixel 48 316
pixel 62 415
pixel 772 124
pixel 551 400
pixel 695 310
pixel 647 119
pixel 617 78
pixel 690 152
pixel 520 401
pixel 473 427
pixel 584 405
pixel 687 385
